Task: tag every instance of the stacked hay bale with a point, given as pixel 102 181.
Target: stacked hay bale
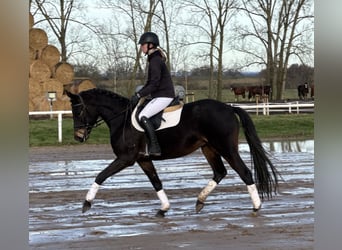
pixel 48 74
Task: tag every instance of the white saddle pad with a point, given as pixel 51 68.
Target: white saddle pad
pixel 170 119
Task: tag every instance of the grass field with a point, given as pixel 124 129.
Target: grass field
pixel 228 95
pixel 44 132
pixel 200 88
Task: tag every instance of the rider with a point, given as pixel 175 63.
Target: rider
pixel 158 86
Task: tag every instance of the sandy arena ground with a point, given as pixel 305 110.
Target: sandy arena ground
pixel 122 216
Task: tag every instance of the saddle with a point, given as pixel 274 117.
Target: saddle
pixel 166 118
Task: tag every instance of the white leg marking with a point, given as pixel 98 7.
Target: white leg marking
pixel 253 191
pixel 207 190
pixel 165 204
pixel 92 192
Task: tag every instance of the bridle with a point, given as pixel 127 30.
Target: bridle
pixel 83 117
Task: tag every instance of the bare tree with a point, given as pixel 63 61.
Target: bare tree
pixel 226 9
pixel 279 26
pixel 212 19
pixel 59 15
pixel 208 26
pixel 143 16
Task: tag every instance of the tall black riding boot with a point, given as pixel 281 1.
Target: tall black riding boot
pixel 153 145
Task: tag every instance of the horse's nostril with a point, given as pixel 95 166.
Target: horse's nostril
pixel 77 138
pixel 80 135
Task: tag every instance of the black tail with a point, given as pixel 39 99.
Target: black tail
pixel 266 181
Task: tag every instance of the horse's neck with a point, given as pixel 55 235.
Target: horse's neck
pixel 114 114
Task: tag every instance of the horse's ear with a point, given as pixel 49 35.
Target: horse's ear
pixel 68 93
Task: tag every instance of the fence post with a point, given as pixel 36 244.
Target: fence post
pixel 290 110
pixel 60 127
pixel 257 104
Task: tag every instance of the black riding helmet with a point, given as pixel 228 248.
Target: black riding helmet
pixel 149 37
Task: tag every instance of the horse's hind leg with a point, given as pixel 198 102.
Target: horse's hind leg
pixel 219 170
pixel 245 174
pixel 149 169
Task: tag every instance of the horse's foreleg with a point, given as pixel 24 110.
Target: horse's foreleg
pixel 90 196
pixel 165 204
pixel 112 168
pixel 219 170
pixel 149 169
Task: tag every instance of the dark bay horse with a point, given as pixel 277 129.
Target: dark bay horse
pixel 207 124
pixel 258 90
pixel 239 91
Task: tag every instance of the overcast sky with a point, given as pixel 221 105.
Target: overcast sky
pixel 103 16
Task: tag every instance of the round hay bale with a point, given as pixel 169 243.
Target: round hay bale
pixel 53 85
pixel 35 88
pixel 62 104
pixel 31 106
pixel 44 104
pixel 65 98
pixel 32 54
pixel 50 55
pixel 37 38
pixel 64 72
pixel 40 103
pixel 31 20
pixel 85 85
pixel 40 71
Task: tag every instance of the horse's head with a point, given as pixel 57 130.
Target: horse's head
pixel 84 116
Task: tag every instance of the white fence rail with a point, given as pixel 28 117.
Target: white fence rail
pixel 59 121
pixel 265 108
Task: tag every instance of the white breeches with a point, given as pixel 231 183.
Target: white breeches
pixel 155 106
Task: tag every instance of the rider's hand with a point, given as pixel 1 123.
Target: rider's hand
pixel 135 99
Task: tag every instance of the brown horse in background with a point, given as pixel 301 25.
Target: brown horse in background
pixel 259 90
pixel 239 91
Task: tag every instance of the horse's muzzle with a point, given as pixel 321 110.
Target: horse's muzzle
pixel 81 134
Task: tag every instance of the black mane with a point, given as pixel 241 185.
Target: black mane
pixel 103 94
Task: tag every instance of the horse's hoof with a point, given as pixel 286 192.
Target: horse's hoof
pixel 255 211
pixel 161 213
pixel 199 206
pixel 86 206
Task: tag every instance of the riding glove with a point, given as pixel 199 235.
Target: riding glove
pixel 135 99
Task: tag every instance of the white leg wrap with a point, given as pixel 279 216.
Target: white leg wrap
pixel 92 192
pixel 253 191
pixel 165 204
pixel 207 190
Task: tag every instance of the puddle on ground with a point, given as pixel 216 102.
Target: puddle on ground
pixel 126 203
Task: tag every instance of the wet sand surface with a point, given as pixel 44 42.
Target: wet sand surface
pixel 123 213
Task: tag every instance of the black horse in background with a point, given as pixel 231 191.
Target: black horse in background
pixel 303 91
pixel 207 124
